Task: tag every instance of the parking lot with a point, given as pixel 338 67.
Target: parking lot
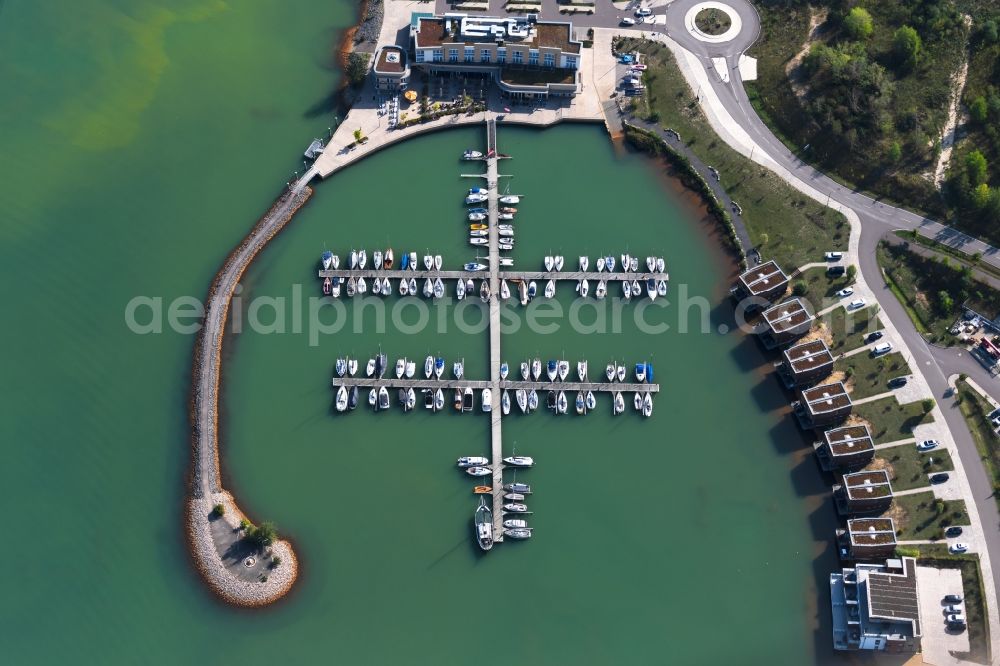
pixel 938 640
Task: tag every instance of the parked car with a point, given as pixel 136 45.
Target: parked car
pixel 953 531
pixel 898 382
pixel 994 414
pixel 995 421
pixel 940 477
pixel 958 547
pixel 927 445
pixel 953 598
pixel 628 21
pixel 881 348
pixel 956 618
pixel 642 68
pixel 643 12
pixel 845 292
pixel 833 256
pixel 626 59
pixel 856 304
pixel 957 626
pixel 836 271
pixel 953 609
pixel 873 336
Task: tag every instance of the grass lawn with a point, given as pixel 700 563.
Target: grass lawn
pixel 819 288
pixel 910 468
pixel 848 329
pixel 785 224
pixel 891 421
pixel 922 516
pixel 975 409
pixel 868 376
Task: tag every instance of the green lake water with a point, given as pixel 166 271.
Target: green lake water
pixel 140 145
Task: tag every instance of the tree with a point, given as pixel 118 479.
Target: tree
pixel 895 152
pixel 945 302
pixel 858 23
pixel 357 68
pixel 762 241
pixel 979 110
pixel 852 273
pixel 981 196
pixel 219 510
pixel 359 136
pixel 799 288
pixel 976 168
pixel 927 404
pixel 906 45
pixel 263 535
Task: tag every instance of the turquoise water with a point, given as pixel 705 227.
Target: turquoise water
pixel 143 143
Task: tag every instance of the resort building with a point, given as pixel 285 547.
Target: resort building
pixel 805 364
pixel 528 58
pixel 823 406
pixel 863 492
pixel 867 539
pixel 391 71
pixel 766 282
pixel 850 447
pixel 785 323
pixel 876 607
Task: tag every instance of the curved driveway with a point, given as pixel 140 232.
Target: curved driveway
pixel 936 364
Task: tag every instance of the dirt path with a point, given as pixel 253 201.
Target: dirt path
pixel 951 125
pixel 817 17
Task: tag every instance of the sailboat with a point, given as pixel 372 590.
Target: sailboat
pixel 602 290
pixel 370 368
pixel 340 367
pixel 400 367
pixel 352 366
pixel 609 371
pixel 437 262
pixel 413 262
pixel 376 260
pixel 354 259
pixel 552 369
pixel 558 262
pixel 411 369
pixel 460 289
pixel 627 290
pixel 458 368
pixel 326 259
pixel 438 288
pixel 413 286
pixel 562 405
pixel 505 402
pixel 404 287
pixel 647 405
pixel 522 400
pixel 637 401
pixel 536 369
pixel 584 263
pixel 525 370
pixel 581 370
pixel 428 288
pixel 383 398
pixel 362 259
pixel 619 403
pixel 504 289
pixel 327 286
pixel 591 400
pixel 581 403
pixel 438 367
pixel 504 370
pixel 620 372
pixel 550 289
pixel 341 398
pixel 548 262
pixel 428 262
pixel 563 370
pixel 428 366
pixel 362 286
pixel 532 400
pixel 388 258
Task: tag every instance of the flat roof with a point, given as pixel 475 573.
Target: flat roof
pixel 763 278
pixel 787 316
pixel 849 440
pixel 808 356
pixel 391 59
pixel 469 30
pixel 868 485
pixel 826 398
pixel 893 596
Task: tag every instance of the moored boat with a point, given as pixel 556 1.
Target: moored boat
pixel 326 259
pixel 460 289
pixel 516 487
pixel 483 523
pixel 468 398
pixel 327 286
pixel 525 370
pixel 400 367
pixel 411 369
pixel 532 400
pixel 558 262
pixel 478 471
pixel 505 402
pixel 550 289
pixel 552 369
pixel 428 366
pixel 438 367
pixel 518 533
pixel 377 260
pixel 458 368
pixel 581 403
pixel 584 263
pixel 352 398
pixel 619 403
pixel 352 366
pixel 388 258
pixel 515 507
pixel 640 372
pixel 439 400
pixel 383 398
pixel 504 370
pixel 591 400
pixel 581 370
pixel 522 400
pixel 370 368
pixel 647 405
pixel 515 523
pixel 504 289
pixel 340 367
pixel 562 404
pixel 472 155
pixel 487 400
pixel 341 398
pixel 563 370
pixel 602 290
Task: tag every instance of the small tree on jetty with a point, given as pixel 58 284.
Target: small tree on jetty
pixel 263 535
pixel 359 136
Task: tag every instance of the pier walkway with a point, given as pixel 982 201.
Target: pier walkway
pixel 496 436
pixel 493 385
pixel 394 273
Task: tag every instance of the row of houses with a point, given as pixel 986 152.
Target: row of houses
pixel 874 602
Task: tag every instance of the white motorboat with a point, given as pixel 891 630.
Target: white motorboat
pixel 478 471
pixel 581 370
pixel 647 405
pixel 519 461
pixel 413 286
pixel 475 266
pixel 473 461
pixel 651 264
pixel 487 400
pixel 341 398
pixel 362 286
pixel 525 370
pixel 400 367
pixel 376 260
pixel 619 405
pixel 602 290
pixel 354 259
pixel 515 523
pixel 532 400
pixel 661 265
pixel 438 288
pixel 506 244
pixel 563 370
pixel 340 367
pixel 522 400
pixel 510 199
pixel 584 263
pixel 661 287
pixel 413 261
pixel 581 403
pixel 627 290
pixel 600 264
pixel 352 366
pixel 373 398
pixel 584 288
pixel 411 399
pixel 472 155
pixel 620 372
pixel 505 216
pixel 428 287
pixel 517 487
pixel 370 368
pixel 591 400
pixel 468 398
pixel 522 292
pixel 411 369
pixel 428 262
pixel 532 289
pixel 362 259
pixel 458 368
pixel 505 227
pixel 428 366
pixel 562 404
pixel 460 289
pixel 609 371
pixel 633 264
pixel 383 398
pixel 477 217
pixel 637 401
pixel 438 367
pixel 504 289
pixel 558 262
pixel 506 261
pixel 506 233
pixel 536 369
pixel 552 370
pixel 504 370
pixel 550 289
pixel 548 262
pixel 483 524
pixel 514 507
pixel 439 400
pixel 475 240
pixel 651 289
pixel 505 402
pixel 478 197
pixel 518 533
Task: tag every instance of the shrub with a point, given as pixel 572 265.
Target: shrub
pixel 927 404
pixel 275 562
pixel 799 288
pixel 263 535
pixel 219 510
pixel 858 23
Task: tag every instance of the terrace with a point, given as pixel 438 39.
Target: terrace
pixel 765 281
pixel 863 492
pixel 785 322
pixel 847 447
pixel 806 362
pixel 823 405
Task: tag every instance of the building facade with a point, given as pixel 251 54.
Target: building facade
pixel 527 57
pixel 763 283
pixel 850 447
pixel 877 607
pixel 805 364
pixel 823 406
pixel 785 323
pixel 867 539
pixel 391 70
pixel 863 492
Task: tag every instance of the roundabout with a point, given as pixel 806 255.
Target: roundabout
pixel 713 22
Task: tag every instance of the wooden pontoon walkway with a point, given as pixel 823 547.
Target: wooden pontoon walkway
pixel 501 385
pixel 421 275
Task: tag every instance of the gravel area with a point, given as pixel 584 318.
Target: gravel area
pixel 371 22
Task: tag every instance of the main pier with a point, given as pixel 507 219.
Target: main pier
pixel 496 431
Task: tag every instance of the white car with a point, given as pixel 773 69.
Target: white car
pixel 958 547
pixel 643 12
pixel 833 256
pixel 856 304
pixel 881 348
pixel 927 445
pixel 845 292
pixel 628 21
pixel 956 618
pixel 954 608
